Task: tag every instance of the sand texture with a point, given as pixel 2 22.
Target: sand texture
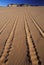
pixel 22 35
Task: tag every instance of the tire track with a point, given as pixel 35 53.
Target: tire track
pixel 8 45
pixel 3 20
pixel 32 51
pixel 4 26
pixel 37 25
pixel 28 55
pixel 5 42
pixel 19 44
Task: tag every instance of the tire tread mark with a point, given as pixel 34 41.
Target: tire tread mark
pixel 32 51
pixel 4 26
pixel 8 45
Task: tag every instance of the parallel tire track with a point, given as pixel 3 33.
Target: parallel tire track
pixel 33 55
pixel 36 24
pixel 6 40
pixel 38 27
pixel 8 46
pixel 4 26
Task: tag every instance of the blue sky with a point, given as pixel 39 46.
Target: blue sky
pixel 34 2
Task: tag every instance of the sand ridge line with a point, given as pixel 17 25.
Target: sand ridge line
pixel 32 50
pixel 28 55
pixel 4 26
pixel 7 38
pixel 37 25
pixel 8 45
pixel 5 21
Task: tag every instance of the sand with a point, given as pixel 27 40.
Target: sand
pixel 14 46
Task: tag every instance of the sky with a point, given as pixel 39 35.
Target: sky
pixel 33 2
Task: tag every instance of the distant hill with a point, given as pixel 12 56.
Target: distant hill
pixel 22 5
pixel 18 5
pixel 11 5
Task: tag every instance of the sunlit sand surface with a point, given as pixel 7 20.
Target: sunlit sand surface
pixel 22 35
